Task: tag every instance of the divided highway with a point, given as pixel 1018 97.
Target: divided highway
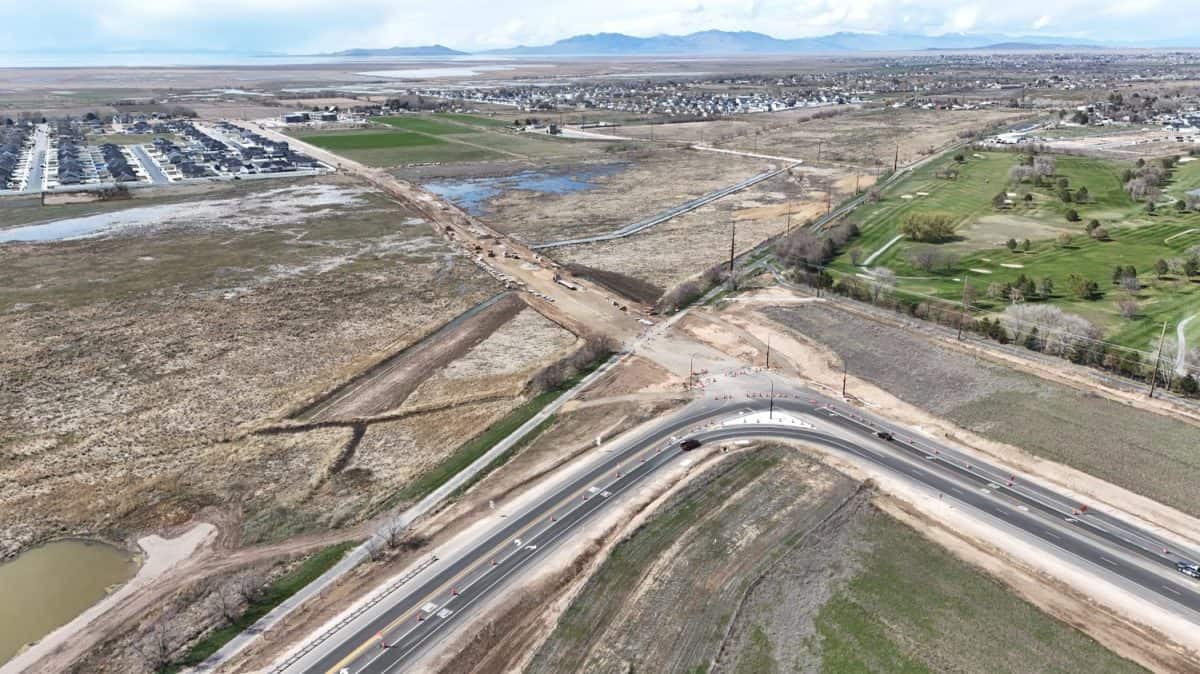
pixel 391 638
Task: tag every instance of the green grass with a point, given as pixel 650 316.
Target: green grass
pixel 422 124
pixel 392 148
pixel 369 140
pixel 1137 239
pixel 285 586
pixel 475 120
pixel 915 608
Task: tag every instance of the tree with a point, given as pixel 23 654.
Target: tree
pixel 856 254
pixel 1031 340
pixel 1092 225
pixel 1064 239
pixel 1028 197
pixel 1100 234
pixel 1072 215
pixel 1044 166
pixel 1000 200
pixel 158 645
pixel 1025 246
pixel 1188 386
pixel 1063 183
pixel 883 281
pixel 1160 267
pixel 959 158
pixel 1083 288
pixel 1118 274
pixel 1064 195
pixel 1045 287
pixel 928 227
pixel 1011 244
pixel 1082 195
pixel 1127 307
pixel 1191 266
pixel 1149 206
pixel 1180 205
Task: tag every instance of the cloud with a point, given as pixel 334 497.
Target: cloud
pixel 321 25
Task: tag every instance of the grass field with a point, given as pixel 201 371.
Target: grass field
pixel 915 608
pixel 1136 238
pixel 390 148
pixel 422 124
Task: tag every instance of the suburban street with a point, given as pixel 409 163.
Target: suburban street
pixel 393 635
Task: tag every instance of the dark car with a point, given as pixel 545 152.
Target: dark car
pixel 1188 569
pixel 689 444
pixel 885 435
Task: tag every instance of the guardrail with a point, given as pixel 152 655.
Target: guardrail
pixel 321 638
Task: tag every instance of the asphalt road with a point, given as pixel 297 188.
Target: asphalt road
pixel 391 639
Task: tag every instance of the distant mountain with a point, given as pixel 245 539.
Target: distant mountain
pixel 431 50
pixel 717 42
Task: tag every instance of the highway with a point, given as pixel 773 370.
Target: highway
pixel 393 637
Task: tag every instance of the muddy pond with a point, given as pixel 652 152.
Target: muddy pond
pixel 48 586
pixel 472 194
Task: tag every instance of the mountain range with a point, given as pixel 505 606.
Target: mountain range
pixel 745 42
pixel 719 42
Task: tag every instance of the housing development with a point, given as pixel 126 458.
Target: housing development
pixel 720 352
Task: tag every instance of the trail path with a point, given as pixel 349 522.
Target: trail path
pixel 1181 345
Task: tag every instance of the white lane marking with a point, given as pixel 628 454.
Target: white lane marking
pixel 956 490
pixel 1107 560
pixel 1168 588
pixel 1051 534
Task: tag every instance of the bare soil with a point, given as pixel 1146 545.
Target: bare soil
pixel 1141 451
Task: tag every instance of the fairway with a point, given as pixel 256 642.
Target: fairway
pixel 978 250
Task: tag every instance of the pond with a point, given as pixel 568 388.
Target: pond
pixel 48 586
pixel 472 194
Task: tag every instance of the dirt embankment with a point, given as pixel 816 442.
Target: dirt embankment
pixel 387 385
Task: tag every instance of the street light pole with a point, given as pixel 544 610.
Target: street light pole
pixel 768 353
pixel 771 408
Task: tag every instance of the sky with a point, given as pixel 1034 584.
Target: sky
pixel 313 26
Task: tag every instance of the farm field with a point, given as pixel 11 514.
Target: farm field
pixel 978 251
pixel 446 138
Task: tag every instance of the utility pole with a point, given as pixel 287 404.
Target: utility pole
pixel 1158 358
pixel 732 238
pixel 768 353
pixel 962 308
pixel 771 409
pixel 843 378
pixel 691 370
pixel 856 177
pixel 896 162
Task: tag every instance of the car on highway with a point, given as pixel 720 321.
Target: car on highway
pixel 885 435
pixel 689 444
pixel 1188 569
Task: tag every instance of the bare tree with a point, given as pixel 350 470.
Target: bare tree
pixel 224 601
pixel 883 281
pixel 1128 307
pixel 393 534
pixel 250 585
pixel 157 646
